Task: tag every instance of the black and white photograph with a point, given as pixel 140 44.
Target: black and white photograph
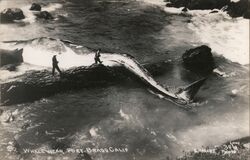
pixel 124 80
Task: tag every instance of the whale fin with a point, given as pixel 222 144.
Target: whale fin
pixel 190 91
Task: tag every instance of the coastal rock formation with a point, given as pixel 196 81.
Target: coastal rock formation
pixel 35 7
pixel 247 14
pixel 10 57
pixel 198 4
pixel 184 9
pixel 207 4
pixel 199 59
pixel 234 9
pixel 177 3
pixel 8 15
pixel 238 9
pixel 44 15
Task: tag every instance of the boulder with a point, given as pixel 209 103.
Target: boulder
pixel 35 7
pixel 199 59
pixel 10 57
pixel 207 4
pixel 10 67
pixel 177 3
pixel 44 15
pixel 238 9
pixel 8 15
pixel 247 14
pixel 199 4
pixel 184 9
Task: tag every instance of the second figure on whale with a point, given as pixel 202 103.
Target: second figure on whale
pixel 97 57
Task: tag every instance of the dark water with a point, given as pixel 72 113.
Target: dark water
pixel 125 114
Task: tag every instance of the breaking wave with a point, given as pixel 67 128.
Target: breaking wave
pixel 226 36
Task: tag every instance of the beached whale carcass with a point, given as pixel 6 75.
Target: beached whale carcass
pixel 80 72
pixel 34 85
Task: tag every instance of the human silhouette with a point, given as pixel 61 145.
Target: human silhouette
pixel 55 66
pixel 97 57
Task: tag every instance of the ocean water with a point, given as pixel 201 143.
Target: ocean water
pixel 127 114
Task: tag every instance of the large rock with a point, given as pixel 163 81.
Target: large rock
pixel 207 4
pixel 44 15
pixel 240 8
pixel 247 14
pixel 10 14
pixel 10 57
pixel 177 3
pixel 199 59
pixel 199 4
pixel 35 7
pixel 184 9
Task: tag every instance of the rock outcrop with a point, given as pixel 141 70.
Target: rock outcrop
pixel 247 14
pixel 207 4
pixel 199 59
pixel 177 3
pixel 35 7
pixel 234 9
pixel 198 4
pixel 239 9
pixel 8 15
pixel 44 15
pixel 10 57
pixel 184 9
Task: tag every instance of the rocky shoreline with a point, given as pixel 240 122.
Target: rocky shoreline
pixel 10 15
pixel 234 9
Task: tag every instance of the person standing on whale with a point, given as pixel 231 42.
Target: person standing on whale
pixel 55 66
pixel 97 57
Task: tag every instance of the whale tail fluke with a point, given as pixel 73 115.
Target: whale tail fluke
pixel 190 91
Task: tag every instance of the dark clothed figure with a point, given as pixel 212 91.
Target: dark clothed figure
pixel 97 57
pixel 55 66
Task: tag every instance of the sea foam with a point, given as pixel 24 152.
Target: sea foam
pixel 226 36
